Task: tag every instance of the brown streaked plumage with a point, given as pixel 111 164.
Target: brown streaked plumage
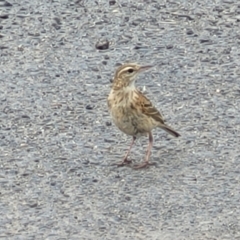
pixel 131 111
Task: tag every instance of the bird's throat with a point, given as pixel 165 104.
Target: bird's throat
pixel 124 85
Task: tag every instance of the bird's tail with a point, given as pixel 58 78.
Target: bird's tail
pixel 169 130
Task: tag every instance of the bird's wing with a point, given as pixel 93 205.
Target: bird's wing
pixel 148 109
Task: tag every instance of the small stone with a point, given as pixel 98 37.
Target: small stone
pixel 112 2
pixel 89 107
pixel 108 124
pixel 102 44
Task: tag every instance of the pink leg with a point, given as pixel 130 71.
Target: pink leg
pixel 125 160
pixel 146 162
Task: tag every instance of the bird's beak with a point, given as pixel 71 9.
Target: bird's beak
pixel 144 68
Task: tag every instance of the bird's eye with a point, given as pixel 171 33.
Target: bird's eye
pixel 130 70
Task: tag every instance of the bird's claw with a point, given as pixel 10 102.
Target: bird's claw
pixel 143 165
pixel 125 161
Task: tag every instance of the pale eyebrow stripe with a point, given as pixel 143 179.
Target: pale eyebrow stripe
pixel 125 69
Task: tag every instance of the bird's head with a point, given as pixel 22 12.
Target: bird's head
pixel 126 74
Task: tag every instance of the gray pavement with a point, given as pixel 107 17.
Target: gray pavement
pixel 58 146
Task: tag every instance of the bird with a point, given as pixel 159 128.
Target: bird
pixel 132 112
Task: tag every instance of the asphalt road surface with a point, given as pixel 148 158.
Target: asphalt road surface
pixel 58 145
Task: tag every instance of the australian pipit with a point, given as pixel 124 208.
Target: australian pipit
pixel 131 111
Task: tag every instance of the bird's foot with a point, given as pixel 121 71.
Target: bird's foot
pixel 143 165
pixel 125 161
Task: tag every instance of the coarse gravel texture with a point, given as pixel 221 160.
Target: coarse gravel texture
pixel 58 145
